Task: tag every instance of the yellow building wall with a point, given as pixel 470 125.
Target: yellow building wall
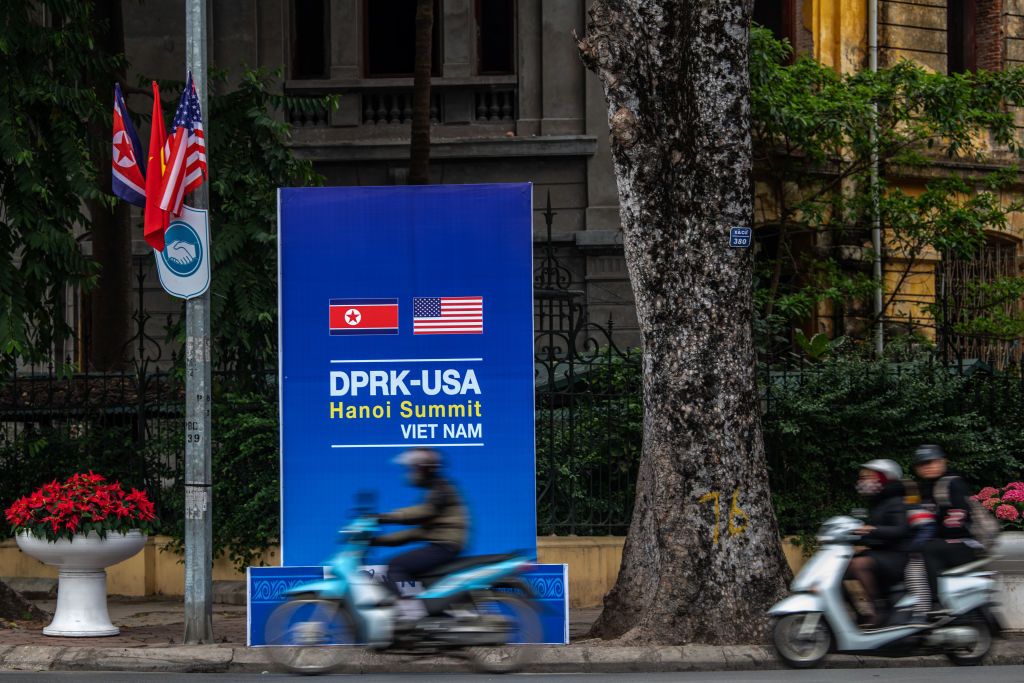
pixel 593 566
pixel 839 28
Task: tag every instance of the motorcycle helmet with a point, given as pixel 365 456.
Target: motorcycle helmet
pixel 927 453
pixel 422 463
pixel 889 469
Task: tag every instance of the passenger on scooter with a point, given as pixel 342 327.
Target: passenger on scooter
pixel 441 521
pixel 886 531
pixel 945 493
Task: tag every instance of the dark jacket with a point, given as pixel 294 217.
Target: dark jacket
pixel 952 519
pixel 440 518
pixel 887 512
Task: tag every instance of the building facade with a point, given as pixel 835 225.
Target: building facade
pixel 511 102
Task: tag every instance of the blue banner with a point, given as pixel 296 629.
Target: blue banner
pixel 265 588
pixel 406 319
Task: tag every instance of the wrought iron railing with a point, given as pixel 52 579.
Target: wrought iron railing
pixel 385 102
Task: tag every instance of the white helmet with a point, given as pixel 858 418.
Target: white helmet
pixel 419 457
pixel 889 468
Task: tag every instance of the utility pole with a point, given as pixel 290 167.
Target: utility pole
pixel 198 487
pixel 876 219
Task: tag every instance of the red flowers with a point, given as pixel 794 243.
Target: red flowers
pixel 81 504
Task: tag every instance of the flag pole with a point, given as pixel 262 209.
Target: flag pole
pixel 198 480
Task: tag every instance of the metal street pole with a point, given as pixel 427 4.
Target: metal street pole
pixel 198 485
pixel 876 219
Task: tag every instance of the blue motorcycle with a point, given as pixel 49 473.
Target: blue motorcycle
pixel 479 608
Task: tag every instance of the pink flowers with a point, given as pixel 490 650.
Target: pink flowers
pixel 1007 503
pixel 986 493
pixel 1007 513
pixel 1014 496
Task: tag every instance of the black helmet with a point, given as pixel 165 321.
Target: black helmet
pixel 928 452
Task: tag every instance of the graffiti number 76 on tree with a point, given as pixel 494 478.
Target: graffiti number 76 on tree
pixel 737 520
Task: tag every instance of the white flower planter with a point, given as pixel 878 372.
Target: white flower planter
pixel 1010 566
pixel 82 578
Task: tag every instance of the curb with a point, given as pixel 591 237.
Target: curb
pixel 572 659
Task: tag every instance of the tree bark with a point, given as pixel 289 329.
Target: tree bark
pixel 111 227
pixel 703 560
pixel 14 607
pixel 419 144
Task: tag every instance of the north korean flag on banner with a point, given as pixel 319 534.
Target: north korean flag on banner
pixel 363 316
pixel 128 180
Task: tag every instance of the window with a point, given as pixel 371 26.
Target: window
pixel 966 293
pixel 389 38
pixel 777 16
pixel 961 48
pixel 496 36
pixel 309 39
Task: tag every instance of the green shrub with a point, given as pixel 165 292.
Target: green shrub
pixel 826 420
pixel 589 426
pixel 106 445
pixel 246 466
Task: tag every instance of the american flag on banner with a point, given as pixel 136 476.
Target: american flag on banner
pixel 448 315
pixel 186 163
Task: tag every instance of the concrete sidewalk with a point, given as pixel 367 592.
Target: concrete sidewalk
pixel 152 629
pixel 581 658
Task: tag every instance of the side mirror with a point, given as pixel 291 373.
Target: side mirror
pixel 366 502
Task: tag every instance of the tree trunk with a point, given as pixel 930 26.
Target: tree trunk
pixel 703 560
pixel 14 607
pixel 111 227
pixel 419 147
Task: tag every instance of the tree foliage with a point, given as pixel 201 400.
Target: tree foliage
pixel 813 137
pixel 246 490
pixel 46 51
pixel 822 422
pixel 249 160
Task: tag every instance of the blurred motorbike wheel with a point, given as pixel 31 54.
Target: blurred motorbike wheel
pixel 800 643
pixel 975 654
pixel 523 633
pixel 310 636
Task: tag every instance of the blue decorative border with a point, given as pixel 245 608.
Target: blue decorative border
pixel 265 587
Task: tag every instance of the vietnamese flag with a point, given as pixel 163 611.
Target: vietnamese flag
pixel 363 316
pixel 157 219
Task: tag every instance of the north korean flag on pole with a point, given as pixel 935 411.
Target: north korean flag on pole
pixel 128 180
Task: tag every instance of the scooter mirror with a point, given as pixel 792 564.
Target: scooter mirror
pixel 366 502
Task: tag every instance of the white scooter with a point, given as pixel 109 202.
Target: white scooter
pixel 816 619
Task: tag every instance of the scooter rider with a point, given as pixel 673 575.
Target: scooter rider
pixel 441 520
pixel 946 494
pixel 885 533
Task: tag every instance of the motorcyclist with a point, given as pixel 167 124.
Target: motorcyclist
pixel 441 521
pixel 882 564
pixel 945 494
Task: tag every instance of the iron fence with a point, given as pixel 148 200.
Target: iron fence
pixel 588 411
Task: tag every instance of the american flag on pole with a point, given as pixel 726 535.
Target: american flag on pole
pixel 448 315
pixel 186 164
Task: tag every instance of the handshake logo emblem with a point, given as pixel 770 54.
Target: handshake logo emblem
pixel 183 252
